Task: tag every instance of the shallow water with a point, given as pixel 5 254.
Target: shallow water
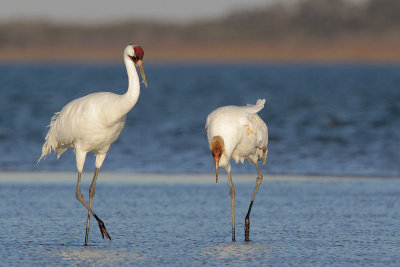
pixel 318 223
pixel 322 119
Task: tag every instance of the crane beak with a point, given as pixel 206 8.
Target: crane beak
pixel 139 63
pixel 216 171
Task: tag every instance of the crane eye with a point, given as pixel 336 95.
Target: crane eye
pixel 133 58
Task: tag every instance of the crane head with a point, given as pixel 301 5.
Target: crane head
pixel 217 147
pixel 136 53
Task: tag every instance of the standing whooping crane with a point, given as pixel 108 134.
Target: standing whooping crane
pixel 92 123
pixel 238 133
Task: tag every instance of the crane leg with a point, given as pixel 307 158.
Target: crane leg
pixel 91 195
pixel 247 220
pixel 79 196
pixel 232 194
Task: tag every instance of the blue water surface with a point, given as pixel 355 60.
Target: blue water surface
pixel 322 119
pixel 296 223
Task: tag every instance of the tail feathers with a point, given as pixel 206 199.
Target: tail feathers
pixel 50 143
pixel 260 102
pixel 257 107
pixel 46 149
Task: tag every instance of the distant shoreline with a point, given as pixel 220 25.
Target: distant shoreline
pixel 346 51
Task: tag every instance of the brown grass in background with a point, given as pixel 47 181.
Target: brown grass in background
pixel 211 52
pixel 308 30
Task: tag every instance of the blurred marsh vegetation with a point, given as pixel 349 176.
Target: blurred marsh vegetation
pixel 306 29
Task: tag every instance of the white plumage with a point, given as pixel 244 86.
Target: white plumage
pixel 87 124
pixel 238 133
pixel 92 123
pixel 244 133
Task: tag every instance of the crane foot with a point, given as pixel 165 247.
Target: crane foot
pixel 102 227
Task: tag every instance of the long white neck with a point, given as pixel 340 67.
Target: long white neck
pixel 132 94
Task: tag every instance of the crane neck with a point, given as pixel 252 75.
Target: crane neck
pixel 132 94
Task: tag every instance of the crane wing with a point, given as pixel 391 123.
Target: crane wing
pixel 257 107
